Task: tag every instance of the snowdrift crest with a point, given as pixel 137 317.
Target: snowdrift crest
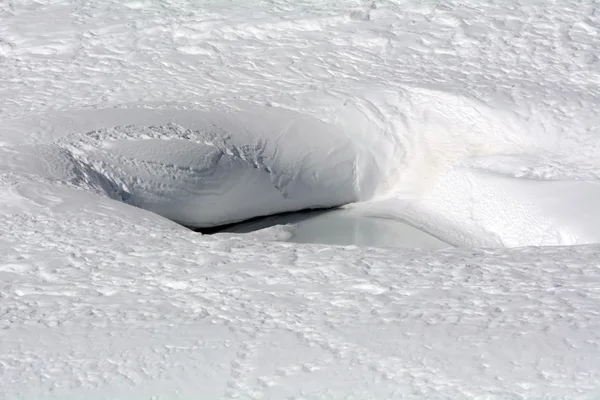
pixel 204 169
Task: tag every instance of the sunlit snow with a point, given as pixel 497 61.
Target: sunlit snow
pixel 451 151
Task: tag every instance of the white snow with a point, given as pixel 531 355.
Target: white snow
pixel 471 124
pixel 205 169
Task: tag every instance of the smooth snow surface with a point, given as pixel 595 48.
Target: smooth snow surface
pixel 344 227
pixel 474 122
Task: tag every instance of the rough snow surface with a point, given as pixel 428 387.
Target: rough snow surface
pixel 106 301
pixel 211 168
pixel 474 122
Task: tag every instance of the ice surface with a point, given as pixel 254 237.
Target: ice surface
pixel 342 227
pixel 475 121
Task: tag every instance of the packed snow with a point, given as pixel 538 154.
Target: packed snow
pixel 457 144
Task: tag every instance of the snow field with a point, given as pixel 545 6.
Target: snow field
pixel 113 303
pixel 474 121
pixel 207 168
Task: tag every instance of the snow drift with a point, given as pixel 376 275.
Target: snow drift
pixel 208 168
pixel 474 120
pixel 217 168
pixel 418 156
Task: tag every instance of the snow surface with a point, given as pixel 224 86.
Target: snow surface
pixel 338 227
pixel 474 123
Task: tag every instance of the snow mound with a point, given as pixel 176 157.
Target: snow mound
pixel 464 171
pixel 203 169
pixel 450 166
pixel 484 208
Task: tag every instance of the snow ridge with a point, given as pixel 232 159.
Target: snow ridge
pixel 196 175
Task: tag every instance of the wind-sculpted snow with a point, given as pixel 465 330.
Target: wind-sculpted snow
pixel 475 122
pixel 101 300
pixel 431 162
pixel 210 168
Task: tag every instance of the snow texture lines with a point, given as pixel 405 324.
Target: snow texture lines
pixel 476 121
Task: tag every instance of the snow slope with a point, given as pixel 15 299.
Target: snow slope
pixel 204 169
pixel 474 121
pixel 100 301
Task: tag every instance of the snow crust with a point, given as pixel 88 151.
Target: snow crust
pixel 473 122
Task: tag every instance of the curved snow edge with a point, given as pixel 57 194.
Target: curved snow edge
pixel 208 168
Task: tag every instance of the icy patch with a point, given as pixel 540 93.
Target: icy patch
pixel 342 227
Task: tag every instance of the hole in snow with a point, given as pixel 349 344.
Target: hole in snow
pixel 210 168
pixel 338 226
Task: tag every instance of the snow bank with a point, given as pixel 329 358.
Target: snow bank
pixel 464 171
pixel 484 208
pixel 206 168
pixel 433 159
